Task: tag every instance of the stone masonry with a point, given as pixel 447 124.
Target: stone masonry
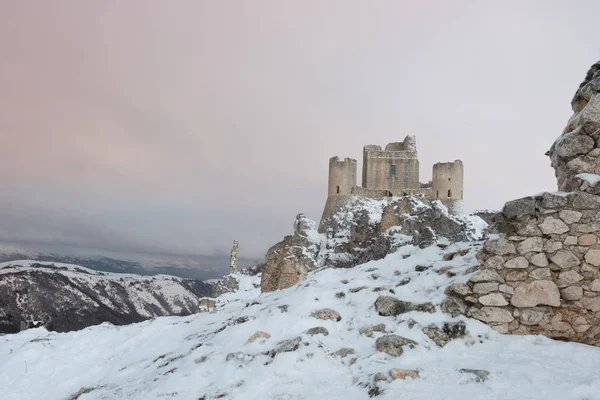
pixel 233 268
pixel 541 275
pixel 394 171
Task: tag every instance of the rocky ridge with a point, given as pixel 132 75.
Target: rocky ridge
pixel 358 230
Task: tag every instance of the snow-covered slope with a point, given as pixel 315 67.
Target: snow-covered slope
pixel 74 297
pixel 209 356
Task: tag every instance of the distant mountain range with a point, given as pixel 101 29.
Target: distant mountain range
pixel 201 267
pixel 69 297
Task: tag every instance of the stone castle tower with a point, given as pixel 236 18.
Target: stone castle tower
pixel 394 171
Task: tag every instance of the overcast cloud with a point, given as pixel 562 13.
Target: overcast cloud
pixel 178 126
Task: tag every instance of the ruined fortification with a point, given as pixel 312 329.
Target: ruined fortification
pixel 394 171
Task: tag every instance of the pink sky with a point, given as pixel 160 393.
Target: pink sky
pixel 179 126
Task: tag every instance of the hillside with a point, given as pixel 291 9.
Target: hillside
pixel 70 297
pixel 299 355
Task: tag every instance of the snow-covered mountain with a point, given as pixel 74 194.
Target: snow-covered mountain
pixel 375 330
pixel 71 297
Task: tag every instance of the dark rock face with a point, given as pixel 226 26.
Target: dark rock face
pixel 69 299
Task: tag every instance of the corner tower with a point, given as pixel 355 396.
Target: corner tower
pixel 447 184
pixel 342 176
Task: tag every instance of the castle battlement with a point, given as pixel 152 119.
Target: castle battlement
pixel 394 171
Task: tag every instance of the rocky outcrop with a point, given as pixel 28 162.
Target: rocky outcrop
pixel 289 261
pixel 359 229
pixel 575 155
pixel 226 285
pixel 68 297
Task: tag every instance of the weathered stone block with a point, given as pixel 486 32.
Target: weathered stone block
pixel 486 275
pixel 494 262
pixel 531 317
pixel 485 287
pixel 587 240
pixel 571 240
pixel 570 216
pixel 571 145
pixel 517 263
pixel 519 208
pixel 539 260
pixel 541 273
pixel 572 293
pixel 500 247
pixel 536 293
pixel 532 244
pixel 595 285
pixel 568 278
pixel 566 259
pixel 553 225
pixel 593 257
pixel 591 303
pixel 493 299
pixel 516 275
pixel 550 246
pixel 492 314
pixel 506 289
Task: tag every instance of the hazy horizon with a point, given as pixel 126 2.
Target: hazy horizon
pixel 176 127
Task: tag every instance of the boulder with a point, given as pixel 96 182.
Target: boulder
pixel 438 336
pixel 397 373
pixel 393 344
pixel 227 285
pixel 390 306
pixel 326 313
pixel 259 335
pixel 319 330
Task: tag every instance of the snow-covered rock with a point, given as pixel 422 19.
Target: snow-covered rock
pixel 358 229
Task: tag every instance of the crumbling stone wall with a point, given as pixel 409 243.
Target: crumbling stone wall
pixel 541 275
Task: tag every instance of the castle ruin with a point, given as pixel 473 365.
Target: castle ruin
pixel 394 171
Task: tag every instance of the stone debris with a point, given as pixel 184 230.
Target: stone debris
pixel 343 352
pixel 393 344
pixel 326 313
pixel 319 330
pixel 479 375
pixel 396 373
pixel 390 306
pixel 259 335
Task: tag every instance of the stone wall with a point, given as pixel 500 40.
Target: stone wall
pixel 542 275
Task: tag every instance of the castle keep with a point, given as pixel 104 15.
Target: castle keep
pixel 394 171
